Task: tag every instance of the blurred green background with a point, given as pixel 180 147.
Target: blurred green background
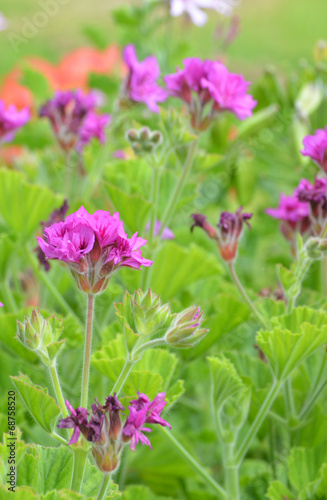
pixel 278 32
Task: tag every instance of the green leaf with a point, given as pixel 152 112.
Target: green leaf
pixel 225 380
pixel 42 407
pixel 8 328
pixel 286 350
pixel 277 491
pixel 300 315
pixel 29 204
pixel 253 368
pixel 317 489
pixel 159 361
pixel 134 210
pixel 304 465
pixel 141 493
pixel 176 267
pixel 28 471
pixel 174 393
pixel 7 249
pixel 37 83
pixel 22 493
pixel 144 381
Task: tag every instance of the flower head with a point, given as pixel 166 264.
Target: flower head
pixel 186 330
pixel 78 420
pixel 141 83
pixel 73 118
pixel 315 146
pixel 94 246
pixel 229 232
pixel 209 82
pixel 193 8
pixel 11 120
pixel 315 197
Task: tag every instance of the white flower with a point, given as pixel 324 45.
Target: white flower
pixel 3 22
pixel 193 8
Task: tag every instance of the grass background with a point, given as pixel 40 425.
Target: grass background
pixel 278 32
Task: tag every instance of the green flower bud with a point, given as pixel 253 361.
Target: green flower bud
pixel 185 330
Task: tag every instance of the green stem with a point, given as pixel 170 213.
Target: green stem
pixel 80 456
pixel 87 350
pixel 58 391
pixel 232 473
pixel 289 398
pixel 7 297
pixel 56 436
pixel 256 424
pixel 147 345
pixel 316 391
pixel 48 283
pixel 104 486
pixel 245 296
pixel 122 377
pixel 169 212
pixel 195 465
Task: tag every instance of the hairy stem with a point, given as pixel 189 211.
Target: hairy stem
pixel 122 377
pixel 232 473
pixel 256 424
pixel 87 350
pixel 195 465
pixel 245 296
pixel 58 391
pixel 104 487
pixel 169 212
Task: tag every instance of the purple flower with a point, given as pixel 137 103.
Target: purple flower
pixel 77 421
pixel 73 119
pixel 143 411
pixel 193 8
pixel 94 127
pixel 315 196
pixel 167 233
pixel 11 120
pixel 2 305
pixel 141 84
pixel 203 82
pixel 3 22
pixel 230 228
pixel 315 146
pixel 94 246
pixel 293 214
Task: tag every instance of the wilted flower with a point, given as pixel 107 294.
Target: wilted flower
pixel 209 85
pixel 229 232
pixel 193 8
pixel 141 83
pixel 73 119
pixel 185 330
pixel 315 146
pixel 104 428
pixel 11 120
pixel 94 246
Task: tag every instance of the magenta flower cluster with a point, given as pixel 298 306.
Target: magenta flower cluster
pixel 105 430
pixel 305 211
pixel 11 120
pixel 94 246
pixel 74 120
pixel 201 84
pixel 315 146
pixel 141 83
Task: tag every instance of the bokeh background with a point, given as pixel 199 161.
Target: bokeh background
pixel 278 32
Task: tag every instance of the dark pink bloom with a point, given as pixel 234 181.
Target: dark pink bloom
pixel 143 411
pixel 94 246
pixel 293 214
pixel 141 84
pixel 2 305
pixel 315 197
pixel 204 82
pixel 73 118
pixel 77 421
pixel 315 146
pixel 11 119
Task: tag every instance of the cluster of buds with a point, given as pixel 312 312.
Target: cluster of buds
pixel 41 335
pixel 228 233
pixel 105 430
pixel 93 246
pixel 186 330
pixel 145 315
pixel 144 140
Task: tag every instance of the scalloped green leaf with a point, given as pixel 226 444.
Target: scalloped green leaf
pixel 176 267
pixel 42 407
pixel 29 204
pixel 175 392
pixel 143 381
pixel 7 249
pixel 304 465
pixel 286 350
pixel 159 361
pixel 300 315
pixel 317 489
pixel 22 493
pixel 278 491
pixel 225 381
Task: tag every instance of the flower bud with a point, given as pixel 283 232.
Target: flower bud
pixel 185 330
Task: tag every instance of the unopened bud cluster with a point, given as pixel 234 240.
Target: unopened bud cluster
pixel 41 335
pixel 144 140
